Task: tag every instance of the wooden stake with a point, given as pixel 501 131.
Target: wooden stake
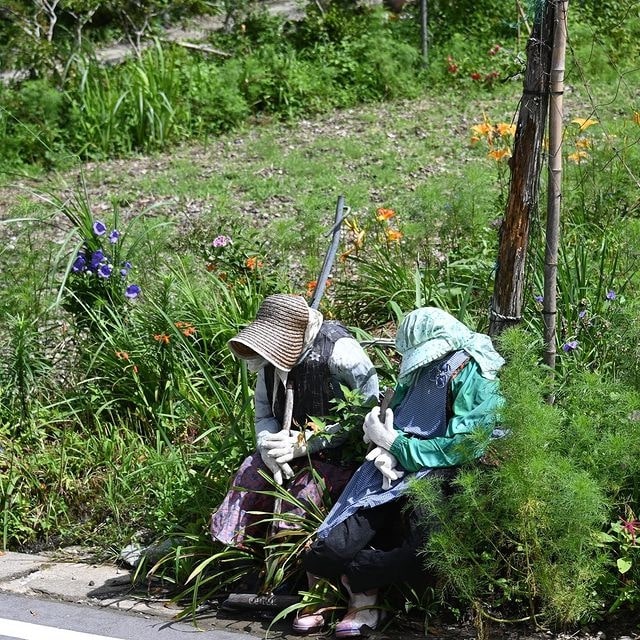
pixel 525 164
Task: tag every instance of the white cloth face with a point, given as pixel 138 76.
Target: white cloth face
pixel 255 363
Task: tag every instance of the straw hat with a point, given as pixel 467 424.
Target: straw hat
pixel 277 333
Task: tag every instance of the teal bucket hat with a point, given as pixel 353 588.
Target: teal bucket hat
pixel 429 333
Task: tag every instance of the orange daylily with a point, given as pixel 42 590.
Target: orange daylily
pixel 162 338
pixel 505 129
pixel 583 143
pixel 358 234
pixel 578 156
pixel 385 214
pixel 186 328
pixel 122 355
pixel 482 130
pixel 311 286
pixel 253 262
pixel 584 123
pixel 499 154
pixel 393 235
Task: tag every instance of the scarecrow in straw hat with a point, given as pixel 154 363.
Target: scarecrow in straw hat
pixel 447 389
pixel 301 361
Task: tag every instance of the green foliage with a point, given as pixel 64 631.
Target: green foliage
pixel 31 124
pixel 135 108
pixel 477 65
pixel 527 531
pixel 381 262
pixel 213 96
pixel 485 19
pixel 124 419
pixel 24 369
pixel 615 26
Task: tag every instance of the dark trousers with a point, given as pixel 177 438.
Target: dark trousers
pixel 374 548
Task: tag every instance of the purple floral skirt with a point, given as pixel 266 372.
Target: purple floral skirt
pixel 235 519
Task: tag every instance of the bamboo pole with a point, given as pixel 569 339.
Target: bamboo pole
pixel 554 193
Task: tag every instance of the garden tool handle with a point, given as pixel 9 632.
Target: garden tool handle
pixel 288 408
pixel 387 397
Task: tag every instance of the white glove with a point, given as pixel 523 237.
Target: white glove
pixel 278 471
pixel 284 446
pixel 272 465
pixel 386 463
pixel 380 433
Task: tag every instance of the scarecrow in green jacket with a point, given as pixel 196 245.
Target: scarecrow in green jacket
pixel 447 390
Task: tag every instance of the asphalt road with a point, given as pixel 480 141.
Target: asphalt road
pixel 26 618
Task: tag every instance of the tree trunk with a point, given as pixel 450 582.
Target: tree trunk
pixel 554 194
pixel 525 164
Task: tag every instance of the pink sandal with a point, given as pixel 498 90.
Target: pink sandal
pixel 312 622
pixel 362 612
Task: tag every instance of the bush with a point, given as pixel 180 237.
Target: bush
pixel 32 121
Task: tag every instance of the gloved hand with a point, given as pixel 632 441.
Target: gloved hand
pixel 278 471
pixel 272 465
pixel 284 446
pixel 386 463
pixel 380 433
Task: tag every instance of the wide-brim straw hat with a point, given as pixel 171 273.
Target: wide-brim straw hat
pixel 277 333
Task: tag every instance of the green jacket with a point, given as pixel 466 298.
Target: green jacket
pixel 474 401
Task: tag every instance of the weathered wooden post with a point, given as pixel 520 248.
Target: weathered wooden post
pixel 554 194
pixel 525 164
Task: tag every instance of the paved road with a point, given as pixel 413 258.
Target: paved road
pixel 26 618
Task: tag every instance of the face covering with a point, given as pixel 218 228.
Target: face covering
pixel 255 363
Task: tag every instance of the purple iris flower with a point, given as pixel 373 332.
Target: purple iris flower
pixel 582 314
pixel 132 291
pixel 221 241
pixel 99 228
pixel 539 298
pixel 113 236
pixel 105 270
pixel 79 264
pixel 611 295
pixel 96 258
pixel 570 346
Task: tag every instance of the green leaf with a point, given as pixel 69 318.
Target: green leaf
pixel 624 564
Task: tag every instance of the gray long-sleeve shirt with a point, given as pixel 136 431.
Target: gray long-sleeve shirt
pixel 348 365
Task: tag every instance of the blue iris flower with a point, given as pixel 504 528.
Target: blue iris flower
pixel 105 270
pixel 99 228
pixel 79 264
pixel 96 258
pixel 132 291
pixel 570 346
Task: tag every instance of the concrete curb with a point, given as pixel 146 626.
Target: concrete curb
pixel 102 585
